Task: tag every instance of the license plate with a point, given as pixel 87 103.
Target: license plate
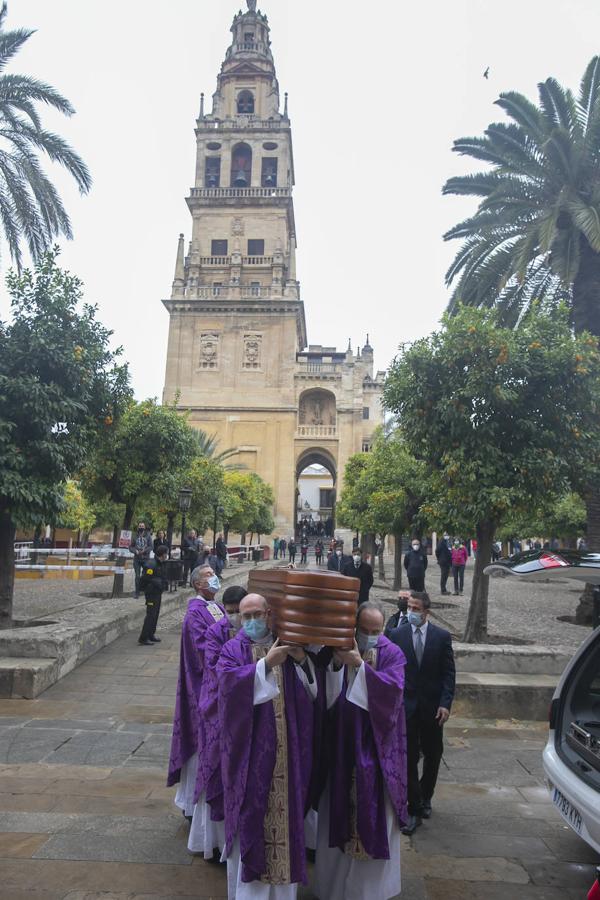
pixel 569 813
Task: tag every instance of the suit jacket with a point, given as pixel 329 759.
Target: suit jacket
pixel 432 685
pixel 365 573
pixel 337 563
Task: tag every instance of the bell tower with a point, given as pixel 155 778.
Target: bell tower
pixel 236 318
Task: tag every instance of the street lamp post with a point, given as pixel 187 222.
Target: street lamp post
pixel 218 511
pixel 185 501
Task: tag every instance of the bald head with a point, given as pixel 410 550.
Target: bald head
pixel 370 618
pixel 252 605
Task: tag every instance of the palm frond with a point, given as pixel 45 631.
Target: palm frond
pixel 587 219
pixel 11 41
pixel 590 87
pixel 525 113
pixel 556 104
pixel 15 88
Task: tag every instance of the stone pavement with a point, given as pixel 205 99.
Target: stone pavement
pixel 85 814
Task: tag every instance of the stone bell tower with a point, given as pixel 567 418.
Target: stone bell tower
pixel 236 319
pixel 237 357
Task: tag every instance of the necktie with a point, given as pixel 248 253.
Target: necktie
pixel 419 646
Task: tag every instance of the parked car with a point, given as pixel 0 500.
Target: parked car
pixel 571 757
pixel 108 551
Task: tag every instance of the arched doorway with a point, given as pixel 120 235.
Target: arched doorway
pixel 316 476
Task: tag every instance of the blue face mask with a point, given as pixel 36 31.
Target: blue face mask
pixel 256 629
pixel 213 583
pixel 366 642
pixel 415 619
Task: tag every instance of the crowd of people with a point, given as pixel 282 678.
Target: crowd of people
pixel 280 751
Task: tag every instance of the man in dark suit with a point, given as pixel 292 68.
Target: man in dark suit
pixel 336 560
pixel 356 568
pixel 428 694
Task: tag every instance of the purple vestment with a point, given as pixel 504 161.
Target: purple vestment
pixel 209 748
pixel 373 744
pixel 191 668
pixel 248 755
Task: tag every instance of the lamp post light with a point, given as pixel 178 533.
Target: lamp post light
pixel 185 501
pixel 218 511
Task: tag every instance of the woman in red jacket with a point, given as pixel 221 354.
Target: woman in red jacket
pixel 459 561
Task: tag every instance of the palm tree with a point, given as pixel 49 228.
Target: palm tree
pixel 30 208
pixel 536 233
pixel 207 446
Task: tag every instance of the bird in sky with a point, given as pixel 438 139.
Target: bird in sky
pixel 486 74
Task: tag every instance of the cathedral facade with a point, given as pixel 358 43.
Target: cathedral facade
pixel 238 358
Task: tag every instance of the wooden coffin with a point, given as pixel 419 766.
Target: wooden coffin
pixel 309 606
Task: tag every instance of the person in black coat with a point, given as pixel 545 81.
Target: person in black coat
pixel 428 694
pixel 415 563
pixel 356 568
pixel 336 561
pixel 153 582
pixel 400 617
pixel 443 554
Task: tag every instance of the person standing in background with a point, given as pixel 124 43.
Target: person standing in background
pixel 444 557
pixel 459 561
pixel 415 563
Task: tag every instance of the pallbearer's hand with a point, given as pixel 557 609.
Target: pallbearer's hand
pixel 350 657
pixel 297 653
pixel 276 655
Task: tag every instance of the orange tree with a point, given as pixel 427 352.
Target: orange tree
pixel 501 417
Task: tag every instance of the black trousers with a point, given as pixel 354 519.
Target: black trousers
pixel 189 564
pixel 303 553
pixel 459 577
pixel 444 572
pixel 424 736
pixel 417 582
pixel 151 620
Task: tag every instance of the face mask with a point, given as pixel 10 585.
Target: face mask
pixel 366 641
pixel 256 629
pixel 356 561
pixel 140 530
pixel 235 620
pixel 338 552
pixel 415 619
pixel 446 537
pixel 416 546
pixel 213 583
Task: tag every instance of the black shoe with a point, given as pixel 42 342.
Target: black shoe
pixel 412 825
pixel 455 593
pixel 426 811
pixel 147 643
pixel 155 640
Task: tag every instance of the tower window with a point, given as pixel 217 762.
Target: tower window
pixel 255 288
pixel 249 38
pixel 212 171
pixel 241 166
pixel 245 102
pixel 269 172
pixel 216 288
pixel 365 412
pixel 218 248
pixel 256 248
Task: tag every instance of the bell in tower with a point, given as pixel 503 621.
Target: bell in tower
pixel 241 165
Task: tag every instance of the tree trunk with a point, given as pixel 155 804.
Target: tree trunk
pixel 476 629
pixel 117 589
pixel 170 529
pixel 368 546
pixel 583 613
pixel 7 568
pixel 397 586
pixel 380 558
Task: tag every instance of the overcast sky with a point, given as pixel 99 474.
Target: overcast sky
pixel 377 94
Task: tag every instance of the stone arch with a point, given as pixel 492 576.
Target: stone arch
pixel 241 165
pixel 322 457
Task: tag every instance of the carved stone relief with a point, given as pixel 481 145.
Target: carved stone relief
pixel 237 226
pixel 252 351
pixel 209 350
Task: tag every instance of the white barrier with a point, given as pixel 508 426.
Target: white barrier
pixel 118 570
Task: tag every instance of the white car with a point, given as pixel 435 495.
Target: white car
pixel 571 757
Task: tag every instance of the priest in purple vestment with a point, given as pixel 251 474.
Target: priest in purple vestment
pixel 363 805
pixel 202 612
pixel 207 831
pixel 266 692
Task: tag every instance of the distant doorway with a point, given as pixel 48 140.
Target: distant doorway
pixel 315 495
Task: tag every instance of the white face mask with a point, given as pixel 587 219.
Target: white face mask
pixel 338 552
pixel 416 546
